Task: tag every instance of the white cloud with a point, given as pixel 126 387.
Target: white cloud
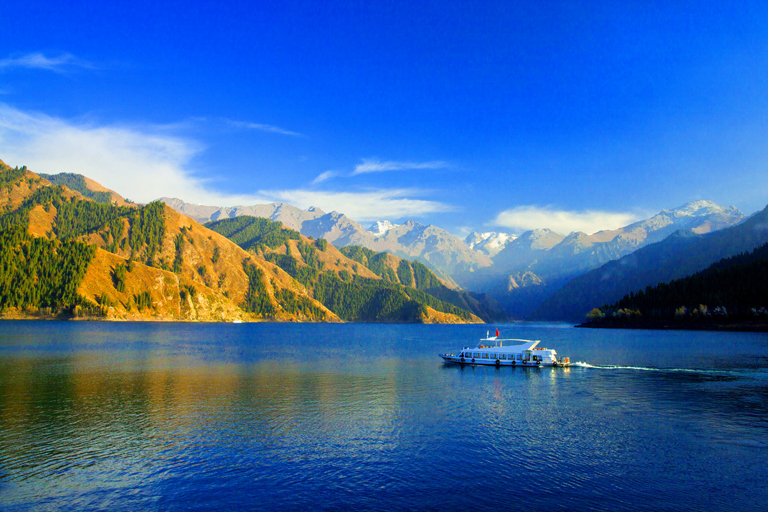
pixel 374 165
pixel 145 162
pixel 137 163
pixel 264 128
pixel 57 64
pixel 525 218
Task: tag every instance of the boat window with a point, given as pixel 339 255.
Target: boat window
pixel 477 355
pixel 502 356
pixel 485 356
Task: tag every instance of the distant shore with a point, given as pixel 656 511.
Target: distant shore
pixel 670 325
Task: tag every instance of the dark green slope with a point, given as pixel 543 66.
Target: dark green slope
pixel 416 275
pixel 250 233
pixel 735 287
pixel 41 274
pixel 77 182
pixel 38 274
pixel 77 218
pixel 351 297
pixel 681 254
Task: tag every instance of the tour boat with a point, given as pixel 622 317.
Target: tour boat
pixel 495 351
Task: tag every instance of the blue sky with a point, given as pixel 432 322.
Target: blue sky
pixel 483 116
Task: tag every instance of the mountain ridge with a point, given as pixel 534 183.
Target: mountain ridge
pixel 681 254
pixel 149 262
pixel 434 246
pixel 550 259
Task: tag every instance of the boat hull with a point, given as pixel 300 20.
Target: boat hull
pixel 491 362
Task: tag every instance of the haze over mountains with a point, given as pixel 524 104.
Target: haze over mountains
pixel 681 254
pixel 539 262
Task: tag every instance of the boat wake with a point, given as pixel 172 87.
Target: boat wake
pixel 582 364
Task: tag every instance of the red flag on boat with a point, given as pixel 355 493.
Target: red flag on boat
pixel 497 333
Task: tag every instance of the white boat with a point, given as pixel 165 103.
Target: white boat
pixel 495 351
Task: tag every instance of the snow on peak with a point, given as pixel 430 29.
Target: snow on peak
pixel 488 243
pixel 380 227
pixel 703 207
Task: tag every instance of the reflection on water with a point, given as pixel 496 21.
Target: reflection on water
pixel 128 416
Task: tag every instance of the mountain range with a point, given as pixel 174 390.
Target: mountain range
pixel 521 272
pixel 441 251
pixel 681 254
pixel 539 262
pixel 87 252
pixel 323 257
pixel 490 243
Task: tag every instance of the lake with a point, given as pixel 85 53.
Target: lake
pixel 165 416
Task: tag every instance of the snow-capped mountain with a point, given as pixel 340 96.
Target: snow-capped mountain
pixel 490 243
pixel 380 227
pixel 444 252
pixel 552 258
pixel 520 271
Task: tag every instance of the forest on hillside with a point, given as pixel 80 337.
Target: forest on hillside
pixel 41 275
pixel 417 275
pixel 733 290
pixel 252 233
pixel 77 182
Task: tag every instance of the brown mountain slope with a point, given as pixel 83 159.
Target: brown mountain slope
pixel 169 293
pixel 226 274
pixel 115 198
pixel 211 282
pixel 219 286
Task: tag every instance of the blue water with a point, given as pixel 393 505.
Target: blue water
pixel 106 416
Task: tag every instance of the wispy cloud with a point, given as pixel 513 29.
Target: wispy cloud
pixel 368 205
pixel 58 64
pixel 524 218
pixel 138 162
pixel 147 162
pixel 264 128
pixel 373 165
pixel 323 176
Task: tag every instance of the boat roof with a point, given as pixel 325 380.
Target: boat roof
pixel 499 342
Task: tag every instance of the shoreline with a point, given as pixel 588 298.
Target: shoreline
pixel 738 326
